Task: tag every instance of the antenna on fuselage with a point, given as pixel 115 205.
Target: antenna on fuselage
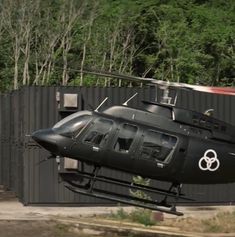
pixel 125 103
pixel 96 110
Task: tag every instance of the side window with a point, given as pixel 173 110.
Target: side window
pixel 125 138
pixel 99 132
pixel 157 146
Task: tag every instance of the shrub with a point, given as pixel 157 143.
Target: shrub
pixel 142 216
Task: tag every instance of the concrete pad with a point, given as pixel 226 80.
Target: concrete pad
pixel 14 210
pixel 201 212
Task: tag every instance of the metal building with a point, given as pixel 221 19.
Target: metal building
pixel 22 169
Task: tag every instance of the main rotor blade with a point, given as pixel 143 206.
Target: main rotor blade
pixel 114 75
pixel 207 89
pixel 164 84
pixel 214 90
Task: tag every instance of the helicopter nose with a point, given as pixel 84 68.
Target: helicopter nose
pixel 47 139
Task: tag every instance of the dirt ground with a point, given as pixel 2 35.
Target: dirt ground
pixel 25 228
pixel 17 220
pixel 48 228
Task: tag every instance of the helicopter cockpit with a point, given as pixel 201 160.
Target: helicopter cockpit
pixel 72 125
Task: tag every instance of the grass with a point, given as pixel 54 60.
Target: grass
pixel 142 216
pixel 120 214
pixel 65 230
pixel 223 222
pixel 138 215
pixel 61 229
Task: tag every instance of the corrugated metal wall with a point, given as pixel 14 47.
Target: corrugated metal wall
pixel 32 108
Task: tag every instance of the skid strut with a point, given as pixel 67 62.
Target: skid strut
pixel 90 190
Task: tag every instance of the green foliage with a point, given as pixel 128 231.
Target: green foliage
pixel 139 193
pixel 120 214
pixel 212 227
pixel 138 215
pixel 223 222
pixel 61 229
pixel 142 216
pixel 190 41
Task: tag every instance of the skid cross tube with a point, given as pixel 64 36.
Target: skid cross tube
pixel 96 190
pixel 72 179
pixel 120 199
pixel 127 184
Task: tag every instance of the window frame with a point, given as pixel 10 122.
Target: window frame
pixel 70 133
pixel 150 158
pixel 119 129
pixel 91 129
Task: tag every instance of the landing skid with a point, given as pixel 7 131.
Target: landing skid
pixel 89 189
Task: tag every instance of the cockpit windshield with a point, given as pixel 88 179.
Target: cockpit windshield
pixel 73 124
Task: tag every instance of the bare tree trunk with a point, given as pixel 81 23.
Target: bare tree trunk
pixel 172 69
pixel 82 63
pixel 86 40
pixel 47 68
pixel 41 71
pixel 124 57
pixel 16 59
pixel 102 67
pixel 16 74
pixel 48 72
pixel 61 36
pixel 67 46
pixel 112 53
pixel 26 76
pixel 44 77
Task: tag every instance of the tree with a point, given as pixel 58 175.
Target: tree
pixel 189 41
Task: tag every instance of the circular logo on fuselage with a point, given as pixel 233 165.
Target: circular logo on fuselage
pixel 209 161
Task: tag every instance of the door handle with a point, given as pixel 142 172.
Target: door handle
pixel 94 148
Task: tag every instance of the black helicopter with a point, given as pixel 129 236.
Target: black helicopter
pixel 160 142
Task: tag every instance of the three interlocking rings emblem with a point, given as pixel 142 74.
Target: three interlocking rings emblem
pixel 209 161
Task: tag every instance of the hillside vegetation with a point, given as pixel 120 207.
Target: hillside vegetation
pixel 189 41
